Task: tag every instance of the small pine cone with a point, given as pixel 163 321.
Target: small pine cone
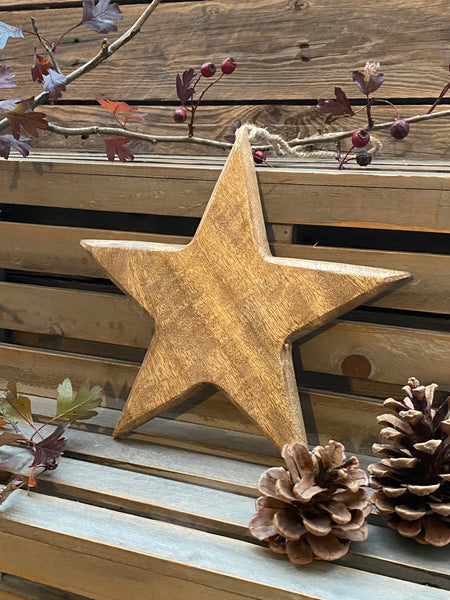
pixel 315 508
pixel 412 481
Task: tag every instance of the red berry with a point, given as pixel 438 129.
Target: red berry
pixel 360 138
pixel 363 158
pixel 208 69
pixel 228 66
pixel 179 115
pixel 259 156
pixel 399 129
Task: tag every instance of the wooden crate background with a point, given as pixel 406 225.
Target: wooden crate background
pixel 61 317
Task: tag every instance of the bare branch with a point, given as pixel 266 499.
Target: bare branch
pixel 105 52
pixel 46 46
pixel 152 139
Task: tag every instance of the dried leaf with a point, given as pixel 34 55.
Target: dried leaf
pixel 81 405
pixel 100 17
pixel 48 451
pixel 7 142
pixel 6 74
pixel 30 121
pixel 340 107
pixel 368 84
pixel 14 408
pixel 40 68
pixel 185 91
pixel 7 31
pixel 54 84
pixel 9 104
pixel 116 146
pixel 7 438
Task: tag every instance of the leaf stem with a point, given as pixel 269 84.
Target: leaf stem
pixel 46 46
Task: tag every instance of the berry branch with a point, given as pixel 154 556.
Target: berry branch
pixel 21 118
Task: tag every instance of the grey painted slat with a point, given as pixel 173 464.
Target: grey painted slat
pixel 222 562
pixel 384 552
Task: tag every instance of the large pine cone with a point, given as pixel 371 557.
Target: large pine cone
pixel 315 508
pixel 412 482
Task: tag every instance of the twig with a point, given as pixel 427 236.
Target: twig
pixel 47 48
pixel 153 139
pixel 340 135
pixel 105 52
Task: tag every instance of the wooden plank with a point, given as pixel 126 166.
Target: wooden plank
pixel 229 513
pixel 380 353
pixel 326 415
pixel 331 351
pixel 16 588
pixel 70 313
pixel 426 141
pixel 216 425
pixel 274 62
pixel 222 563
pixel 346 199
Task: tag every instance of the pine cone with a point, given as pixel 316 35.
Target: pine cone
pixel 315 508
pixel 412 482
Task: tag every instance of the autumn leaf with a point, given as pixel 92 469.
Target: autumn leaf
pixel 185 91
pixel 100 17
pixel 367 85
pixel 6 74
pixel 7 142
pixel 48 451
pixel 117 146
pixel 116 107
pixel 339 107
pixel 7 31
pixel 54 84
pixel 10 437
pixel 40 68
pixel 14 408
pixel 30 121
pixel 80 405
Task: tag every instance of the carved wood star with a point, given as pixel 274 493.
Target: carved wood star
pixel 226 310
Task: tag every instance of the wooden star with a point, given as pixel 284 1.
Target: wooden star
pixel 226 310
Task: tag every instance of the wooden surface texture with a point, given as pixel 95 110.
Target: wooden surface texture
pixel 282 70
pixel 92 516
pixel 164 513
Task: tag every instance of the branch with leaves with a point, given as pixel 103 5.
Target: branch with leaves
pixel 23 120
pixel 45 443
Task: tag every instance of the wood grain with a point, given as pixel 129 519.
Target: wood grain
pixel 289 195
pixel 407 351
pixel 311 50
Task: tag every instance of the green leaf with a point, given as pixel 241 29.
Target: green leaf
pixel 14 408
pixel 79 407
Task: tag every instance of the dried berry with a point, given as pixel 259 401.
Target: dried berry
pixel 399 129
pixel 228 66
pixel 259 156
pixel 179 115
pixel 360 138
pixel 363 158
pixel 208 69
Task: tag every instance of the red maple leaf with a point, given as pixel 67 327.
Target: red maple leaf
pixel 117 146
pixel 30 121
pixel 41 67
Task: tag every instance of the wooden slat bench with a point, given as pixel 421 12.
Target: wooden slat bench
pixel 165 511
